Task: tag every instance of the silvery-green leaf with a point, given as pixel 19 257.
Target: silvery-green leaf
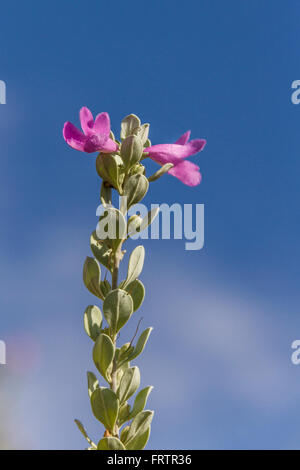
pixel 140 401
pixel 92 275
pixel 159 173
pixel 123 414
pixel 112 226
pixel 124 352
pixel 139 441
pixel 137 291
pixel 92 382
pixel 107 168
pixel 142 132
pixel 134 223
pixel 105 288
pixel 135 264
pixel 124 433
pixel 134 190
pixel 105 406
pixel 110 443
pixel 141 343
pixel 131 150
pixel 148 219
pixel 83 431
pixel 105 194
pixel 92 321
pixel 101 251
pixel 138 427
pixel 129 384
pixel 129 123
pixel 117 308
pixel 103 353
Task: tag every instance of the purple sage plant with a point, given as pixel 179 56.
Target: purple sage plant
pixel 126 427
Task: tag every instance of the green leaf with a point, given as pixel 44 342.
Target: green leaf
pixel 105 288
pixel 110 443
pixel 124 433
pixel 103 354
pixel 131 150
pixel 105 406
pixel 101 251
pixel 105 194
pixel 123 414
pixel 92 382
pixel 137 291
pixel 141 343
pixel 83 431
pixel 133 224
pixel 138 427
pixel 159 173
pixel 92 321
pixel 142 132
pixel 128 125
pixel 148 219
pixel 135 265
pixel 135 189
pixel 140 401
pixel 117 308
pixel 139 442
pixel 112 226
pixel 124 352
pixel 91 276
pixel 129 384
pixel 107 168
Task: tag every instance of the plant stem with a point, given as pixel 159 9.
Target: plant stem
pixel 114 285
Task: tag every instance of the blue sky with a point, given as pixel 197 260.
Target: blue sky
pixel 224 317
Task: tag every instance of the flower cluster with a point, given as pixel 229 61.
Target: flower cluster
pixel 97 137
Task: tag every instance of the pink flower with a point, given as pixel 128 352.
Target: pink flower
pixel 95 136
pixel 185 171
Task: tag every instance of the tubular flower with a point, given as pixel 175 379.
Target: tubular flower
pixel 184 170
pixel 95 135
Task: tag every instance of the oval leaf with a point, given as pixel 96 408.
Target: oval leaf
pixel 129 384
pixel 139 441
pixel 91 276
pixel 101 251
pixel 112 226
pixel 92 382
pixel 140 401
pixel 137 291
pixel 141 343
pixel 105 406
pixel 92 321
pixel 117 308
pixel 103 354
pixel 138 427
pixel 135 189
pixel 110 443
pixel 135 265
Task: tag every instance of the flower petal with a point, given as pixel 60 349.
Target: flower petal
pixel 86 120
pixel 110 146
pixel 195 146
pixel 102 124
pixel 184 138
pixel 74 137
pixel 168 153
pixel 187 172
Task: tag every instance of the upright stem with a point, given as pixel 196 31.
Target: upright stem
pixel 114 285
